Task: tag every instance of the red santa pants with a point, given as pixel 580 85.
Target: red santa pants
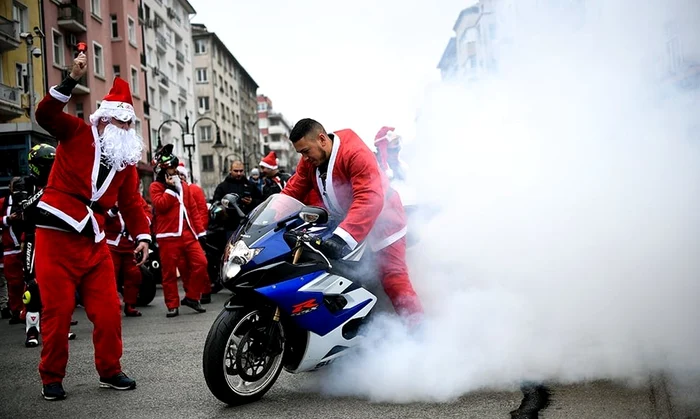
pixel 125 265
pixel 15 281
pixel 184 253
pixel 395 280
pixel 65 262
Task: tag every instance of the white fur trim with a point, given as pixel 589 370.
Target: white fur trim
pixel 146 237
pixel 263 164
pixel 352 243
pixel 390 240
pixel 58 95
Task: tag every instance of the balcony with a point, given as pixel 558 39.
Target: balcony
pixel 82 87
pixel 161 42
pixel 183 93
pixel 71 18
pixel 10 102
pixel 9 34
pixel 180 57
pixel 163 82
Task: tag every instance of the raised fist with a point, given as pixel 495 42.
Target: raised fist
pixel 79 66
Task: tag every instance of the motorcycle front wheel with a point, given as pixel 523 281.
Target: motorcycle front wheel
pixel 229 340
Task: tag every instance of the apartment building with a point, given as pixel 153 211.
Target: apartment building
pixel 167 61
pixel 21 85
pixel 110 30
pixel 226 109
pixel 274 134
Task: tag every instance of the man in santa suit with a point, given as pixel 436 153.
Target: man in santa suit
pixel 388 145
pixel 178 227
pixel 273 180
pixel 342 170
pixel 94 168
pixel 203 212
pixel 12 253
pixel 121 245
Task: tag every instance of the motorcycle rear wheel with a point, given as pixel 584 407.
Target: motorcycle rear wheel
pixel 219 358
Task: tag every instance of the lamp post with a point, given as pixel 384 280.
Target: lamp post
pixel 185 130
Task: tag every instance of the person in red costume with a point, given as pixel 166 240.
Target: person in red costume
pixel 12 254
pixel 94 168
pixel 388 145
pixel 340 169
pixel 121 245
pixel 203 212
pixel 177 226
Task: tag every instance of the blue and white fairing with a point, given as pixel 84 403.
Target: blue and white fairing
pixel 327 306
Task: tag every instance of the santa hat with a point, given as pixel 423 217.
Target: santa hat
pixel 270 161
pixel 388 135
pixel 182 169
pixel 117 104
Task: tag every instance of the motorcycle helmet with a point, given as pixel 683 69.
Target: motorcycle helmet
pixel 41 158
pixel 164 159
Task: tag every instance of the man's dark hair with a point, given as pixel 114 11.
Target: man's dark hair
pixel 304 127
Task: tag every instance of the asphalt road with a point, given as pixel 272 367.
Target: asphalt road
pixel 164 356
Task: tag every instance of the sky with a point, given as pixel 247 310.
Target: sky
pixel 358 65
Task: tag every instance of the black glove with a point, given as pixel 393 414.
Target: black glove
pixel 333 248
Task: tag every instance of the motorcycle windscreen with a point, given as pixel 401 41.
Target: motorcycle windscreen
pixel 265 217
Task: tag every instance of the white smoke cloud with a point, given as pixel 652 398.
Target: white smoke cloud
pixel 567 246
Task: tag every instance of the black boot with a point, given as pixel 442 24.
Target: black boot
pixel 193 304
pixel 206 299
pixel 53 391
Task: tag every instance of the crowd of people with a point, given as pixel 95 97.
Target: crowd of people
pixel 79 222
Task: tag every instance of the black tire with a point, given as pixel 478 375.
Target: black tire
pixel 147 291
pixel 214 358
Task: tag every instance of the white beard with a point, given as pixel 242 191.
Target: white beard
pixel 120 147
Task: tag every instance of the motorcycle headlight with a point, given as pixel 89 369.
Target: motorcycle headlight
pixel 237 255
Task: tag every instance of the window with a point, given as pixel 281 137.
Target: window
pixel 203 102
pixel 152 96
pixel 115 26
pixel 132 31
pixel 20 14
pixel 58 54
pixel 154 134
pixel 207 163
pixel 134 81
pixel 117 70
pixel 79 111
pixel 262 107
pixel 205 133
pixel 200 46
pixel 99 64
pixel 95 8
pixel 21 76
pixel 187 52
pixel 202 75
pixel 137 128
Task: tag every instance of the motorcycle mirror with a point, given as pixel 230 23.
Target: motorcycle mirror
pixel 312 215
pixel 229 200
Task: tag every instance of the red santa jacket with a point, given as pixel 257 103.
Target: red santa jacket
pixel 174 211
pixel 10 240
pixel 357 192
pixel 201 202
pixel 73 182
pixel 116 233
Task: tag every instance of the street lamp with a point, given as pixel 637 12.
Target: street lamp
pixel 185 130
pixel 32 52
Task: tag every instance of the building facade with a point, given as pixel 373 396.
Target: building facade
pixel 167 62
pixel 22 84
pixel 274 135
pixel 114 46
pixel 225 102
